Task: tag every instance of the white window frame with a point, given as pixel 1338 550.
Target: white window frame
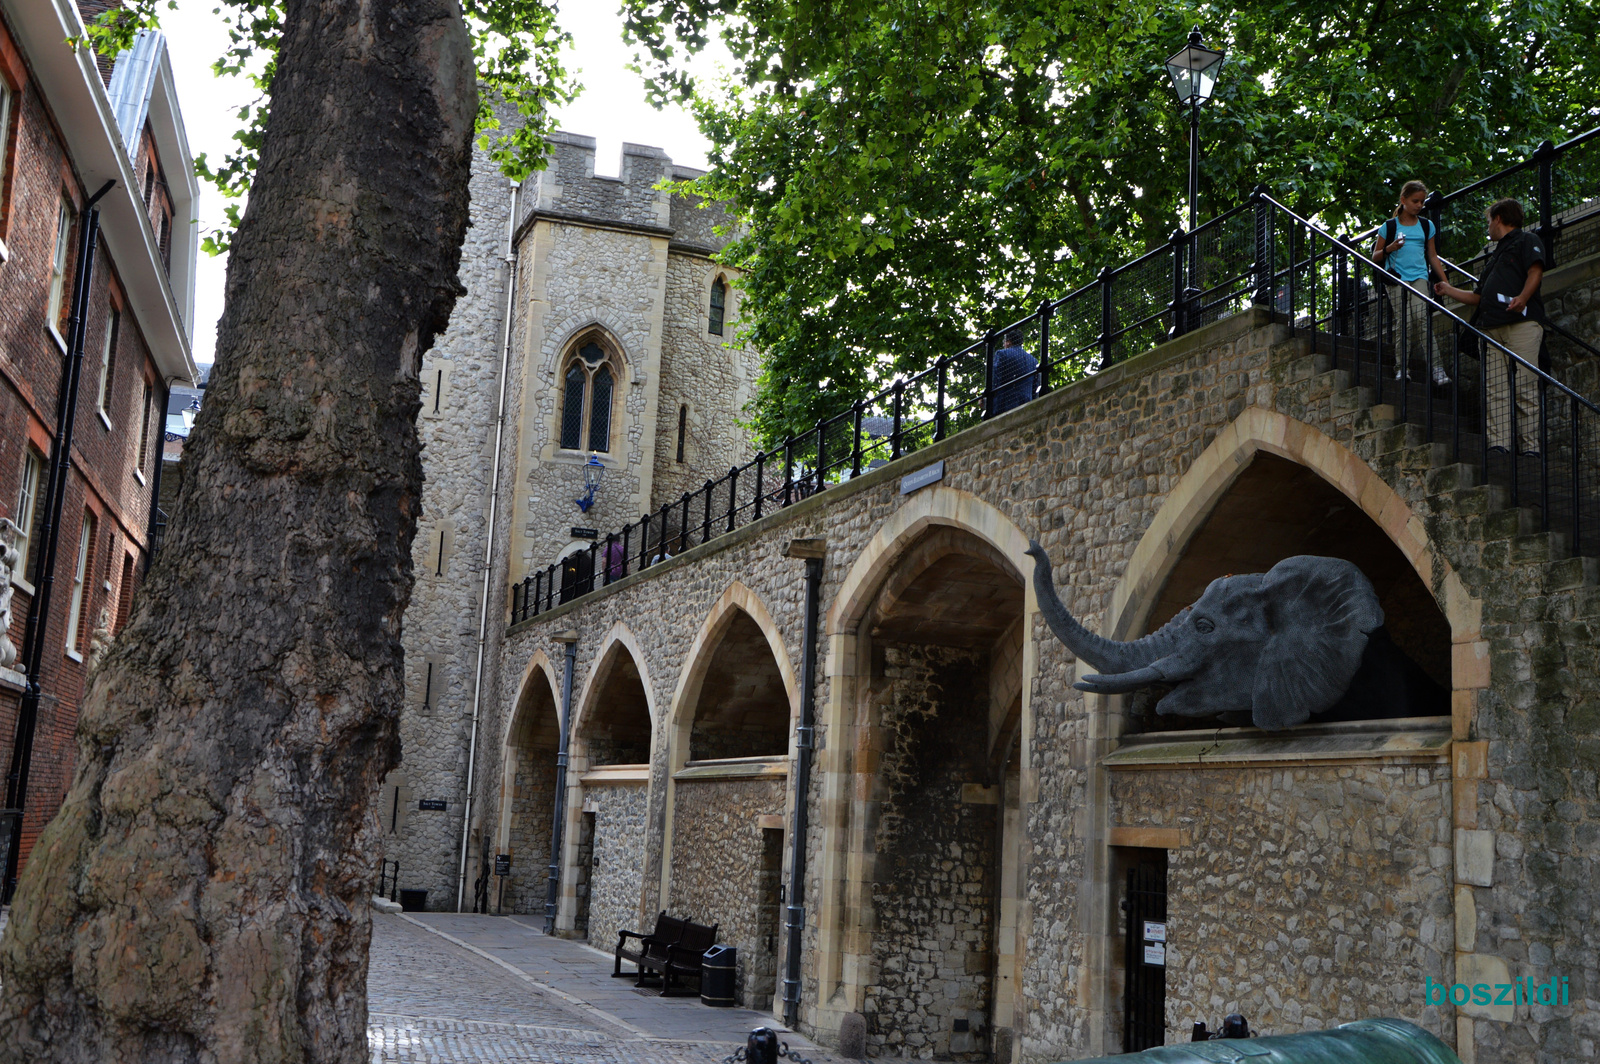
pixel 58 269
pixel 28 500
pixel 113 327
pixel 79 583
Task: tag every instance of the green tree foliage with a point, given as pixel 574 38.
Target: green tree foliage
pixel 908 172
pixel 516 43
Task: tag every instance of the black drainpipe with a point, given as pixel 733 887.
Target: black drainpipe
pixel 813 551
pixel 49 533
pixel 559 813
pixel 157 532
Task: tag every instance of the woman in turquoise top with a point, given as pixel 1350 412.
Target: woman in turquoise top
pixel 1405 247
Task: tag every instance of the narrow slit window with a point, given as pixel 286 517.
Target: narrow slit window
pixel 572 408
pixel 438 388
pixel 438 568
pixel 719 305
pixel 683 429
pixel 427 687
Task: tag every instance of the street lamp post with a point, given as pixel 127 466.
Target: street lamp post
pixel 1194 76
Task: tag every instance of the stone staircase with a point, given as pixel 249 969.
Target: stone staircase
pixel 1501 505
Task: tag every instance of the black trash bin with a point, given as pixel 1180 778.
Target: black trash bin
pixel 414 901
pixel 716 976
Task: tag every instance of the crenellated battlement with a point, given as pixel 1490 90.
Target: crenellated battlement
pixel 569 187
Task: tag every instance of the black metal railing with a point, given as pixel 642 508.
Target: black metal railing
pixel 1259 253
pixel 1465 387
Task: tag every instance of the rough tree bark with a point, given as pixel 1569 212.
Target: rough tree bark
pixel 203 893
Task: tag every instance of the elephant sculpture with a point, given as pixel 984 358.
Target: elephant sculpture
pixel 1273 648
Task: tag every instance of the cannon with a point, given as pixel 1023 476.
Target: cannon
pixel 1380 1041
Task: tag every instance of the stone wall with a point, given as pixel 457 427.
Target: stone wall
pixel 709 375
pixel 1339 877
pixel 461 380
pixel 617 862
pixel 533 784
pixel 934 896
pixel 717 872
pixel 1112 475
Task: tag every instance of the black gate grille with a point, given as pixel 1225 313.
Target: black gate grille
pixel 1144 993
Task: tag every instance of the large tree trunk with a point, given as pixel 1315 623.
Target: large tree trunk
pixel 203 893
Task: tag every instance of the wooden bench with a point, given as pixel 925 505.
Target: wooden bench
pixel 652 947
pixel 683 958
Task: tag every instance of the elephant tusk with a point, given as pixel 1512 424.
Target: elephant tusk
pixel 1117 683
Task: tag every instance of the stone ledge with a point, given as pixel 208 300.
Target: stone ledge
pixel 617 774
pixel 734 768
pixel 1412 740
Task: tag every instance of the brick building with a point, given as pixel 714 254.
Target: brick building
pixel 100 290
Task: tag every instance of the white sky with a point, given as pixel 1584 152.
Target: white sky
pixel 612 109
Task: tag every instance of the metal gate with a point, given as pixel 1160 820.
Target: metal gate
pixel 1144 993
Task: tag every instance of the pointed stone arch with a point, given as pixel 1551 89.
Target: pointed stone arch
pixel 921 546
pixel 737 801
pixel 1258 430
pixel 527 785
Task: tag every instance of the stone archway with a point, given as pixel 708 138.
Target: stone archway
pixel 929 673
pixel 1366 804
pixel 730 745
pixel 527 790
pixel 608 793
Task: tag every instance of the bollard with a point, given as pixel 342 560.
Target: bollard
pixel 761 1047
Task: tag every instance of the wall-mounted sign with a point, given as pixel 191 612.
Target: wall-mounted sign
pixel 929 474
pixel 1154 932
pixel 1156 955
pixel 584 533
pixel 502 864
pixel 431 805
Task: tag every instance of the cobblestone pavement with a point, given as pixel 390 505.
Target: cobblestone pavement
pixel 434 1001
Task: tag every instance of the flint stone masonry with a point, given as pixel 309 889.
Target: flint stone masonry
pixel 616 873
pixel 1339 878
pixel 440 627
pixel 1093 471
pixel 935 895
pixel 717 872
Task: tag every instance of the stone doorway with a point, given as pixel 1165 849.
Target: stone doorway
pixel 526 819
pixel 940 705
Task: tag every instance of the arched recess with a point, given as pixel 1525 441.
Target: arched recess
pixel 729 745
pixel 1267 486
pixel 924 637
pixel 1255 431
pixel 608 774
pixel 527 787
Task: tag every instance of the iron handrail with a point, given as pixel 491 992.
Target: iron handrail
pixel 1436 305
pixel 927 403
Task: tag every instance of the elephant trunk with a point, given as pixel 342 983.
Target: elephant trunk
pixel 1107 655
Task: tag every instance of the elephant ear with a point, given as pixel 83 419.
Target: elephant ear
pixel 1318 613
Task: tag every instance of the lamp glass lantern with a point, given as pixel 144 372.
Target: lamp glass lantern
pixel 593 470
pixel 1194 71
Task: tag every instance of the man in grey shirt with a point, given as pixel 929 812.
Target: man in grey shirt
pixel 1510 311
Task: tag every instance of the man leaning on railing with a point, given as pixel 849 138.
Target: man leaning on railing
pixel 1511 312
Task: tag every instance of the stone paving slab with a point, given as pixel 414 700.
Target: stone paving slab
pixel 463 989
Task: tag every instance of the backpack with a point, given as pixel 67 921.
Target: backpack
pixel 1392 227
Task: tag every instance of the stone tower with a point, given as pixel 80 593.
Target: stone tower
pixel 620 346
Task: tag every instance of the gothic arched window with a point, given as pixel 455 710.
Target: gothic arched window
pixel 587 389
pixel 719 304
